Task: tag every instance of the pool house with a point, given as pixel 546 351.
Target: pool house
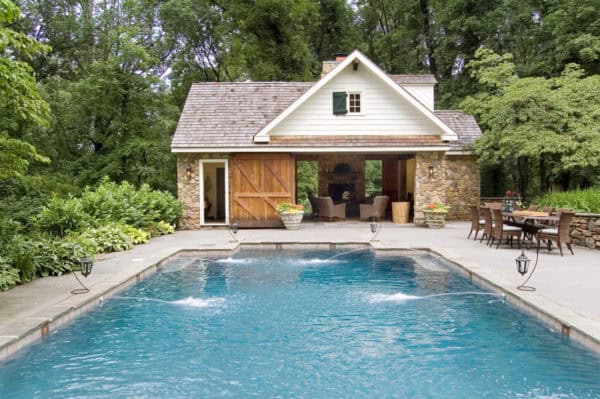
pixel 238 144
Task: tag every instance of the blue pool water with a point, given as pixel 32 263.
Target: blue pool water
pixel 297 324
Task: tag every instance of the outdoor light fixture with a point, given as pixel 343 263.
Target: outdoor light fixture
pixel 188 172
pixel 374 227
pixel 86 269
pixel 86 266
pixel 430 169
pixel 523 262
pixel 233 229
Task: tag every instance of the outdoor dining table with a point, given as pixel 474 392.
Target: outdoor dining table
pixel 529 229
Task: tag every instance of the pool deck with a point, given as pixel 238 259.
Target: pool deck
pixel 567 296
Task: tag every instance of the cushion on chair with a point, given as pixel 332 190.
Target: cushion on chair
pixel 506 227
pixel 549 231
pixel 481 221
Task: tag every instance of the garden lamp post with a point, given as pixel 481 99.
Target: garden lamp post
pixel 523 262
pixel 86 269
pixel 374 227
pixel 233 230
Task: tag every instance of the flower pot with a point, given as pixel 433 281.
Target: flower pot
pixel 435 220
pixel 291 220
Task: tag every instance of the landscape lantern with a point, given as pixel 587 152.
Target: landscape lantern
pixel 373 226
pixel 86 266
pixel 522 263
pixel 234 226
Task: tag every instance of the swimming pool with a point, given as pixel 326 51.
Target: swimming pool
pixel 303 324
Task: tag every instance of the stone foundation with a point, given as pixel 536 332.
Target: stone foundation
pixel 451 180
pixel 585 230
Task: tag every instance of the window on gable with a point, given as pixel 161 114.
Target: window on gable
pixel 354 103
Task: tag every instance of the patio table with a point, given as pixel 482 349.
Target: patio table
pixel 529 229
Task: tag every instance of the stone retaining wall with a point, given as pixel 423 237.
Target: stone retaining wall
pixel 585 230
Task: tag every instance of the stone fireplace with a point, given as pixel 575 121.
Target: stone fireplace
pixel 343 173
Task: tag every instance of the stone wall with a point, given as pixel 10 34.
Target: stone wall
pixel 585 230
pixel 462 185
pixel 188 187
pixel 452 180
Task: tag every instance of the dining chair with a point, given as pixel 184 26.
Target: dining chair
pixel 501 231
pixel 488 224
pixel 533 207
pixel 561 234
pixel 477 222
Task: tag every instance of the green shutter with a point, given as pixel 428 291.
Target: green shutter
pixel 339 103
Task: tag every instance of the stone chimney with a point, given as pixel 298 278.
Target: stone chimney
pixel 329 65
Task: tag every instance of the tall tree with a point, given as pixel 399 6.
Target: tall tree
pixel 111 111
pixel 536 123
pixel 21 105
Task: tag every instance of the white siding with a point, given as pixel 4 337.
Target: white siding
pixel 384 112
pixel 423 93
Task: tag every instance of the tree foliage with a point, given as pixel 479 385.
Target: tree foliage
pixel 552 123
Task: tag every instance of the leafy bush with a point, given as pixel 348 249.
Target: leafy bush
pixel 54 257
pixel 62 215
pixel 138 236
pixel 9 276
pixel 112 202
pixel 159 229
pixel 578 200
pixel 108 238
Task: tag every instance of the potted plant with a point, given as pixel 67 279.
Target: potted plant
pixel 290 214
pixel 435 215
pixel 512 200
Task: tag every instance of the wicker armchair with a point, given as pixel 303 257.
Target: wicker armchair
pixel 375 210
pixel 561 234
pixel 488 224
pixel 329 210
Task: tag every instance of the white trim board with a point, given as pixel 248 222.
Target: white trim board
pixel 260 149
pixel 449 134
pixel 201 163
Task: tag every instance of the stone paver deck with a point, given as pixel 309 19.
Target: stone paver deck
pixel 567 296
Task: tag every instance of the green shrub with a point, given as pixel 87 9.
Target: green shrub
pixel 62 215
pixel 108 238
pixel 43 256
pixel 9 276
pixel 20 253
pixel 54 257
pixel 138 236
pixel 159 229
pixel 579 200
pixel 112 202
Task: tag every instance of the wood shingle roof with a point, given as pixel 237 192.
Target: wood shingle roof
pixel 229 114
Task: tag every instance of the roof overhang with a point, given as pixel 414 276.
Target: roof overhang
pixel 357 56
pixel 353 149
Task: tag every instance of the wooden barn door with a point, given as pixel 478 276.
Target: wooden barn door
pixel 257 183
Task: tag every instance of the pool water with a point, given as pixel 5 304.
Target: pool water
pixel 314 324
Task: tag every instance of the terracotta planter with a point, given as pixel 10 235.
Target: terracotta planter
pixel 291 220
pixel 435 220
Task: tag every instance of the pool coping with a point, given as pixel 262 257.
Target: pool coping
pixel 59 318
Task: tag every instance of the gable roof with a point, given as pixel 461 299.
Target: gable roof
pixel 228 115
pixel 357 56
